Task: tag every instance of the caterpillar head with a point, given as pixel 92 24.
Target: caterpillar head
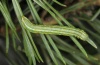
pixel 83 35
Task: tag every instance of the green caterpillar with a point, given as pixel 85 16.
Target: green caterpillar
pixel 56 30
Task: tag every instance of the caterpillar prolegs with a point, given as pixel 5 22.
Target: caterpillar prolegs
pixel 57 30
